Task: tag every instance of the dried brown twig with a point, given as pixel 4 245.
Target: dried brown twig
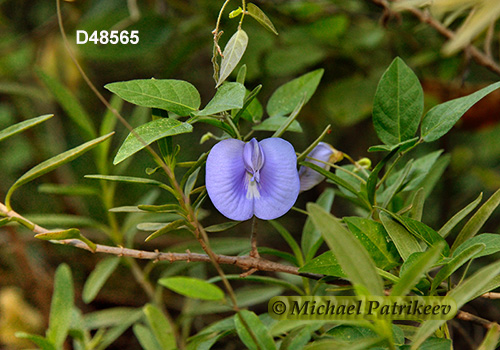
pixel 481 58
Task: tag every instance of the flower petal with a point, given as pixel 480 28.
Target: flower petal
pixel 225 180
pixel 309 177
pixel 279 180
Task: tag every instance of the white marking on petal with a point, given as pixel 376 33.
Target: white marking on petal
pixel 252 187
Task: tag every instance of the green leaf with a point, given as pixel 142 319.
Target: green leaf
pixel 160 327
pixel 110 317
pixel 275 123
pixel 450 224
pixel 414 274
pixel 396 186
pixel 421 168
pixel 61 306
pixel 166 229
pixel 68 190
pixel 440 119
pixel 462 294
pixel 252 109
pixel 490 341
pixel 290 119
pixel 324 264
pixel 288 96
pixel 53 163
pixel 292 243
pixel 405 243
pixel 352 256
pixel 223 226
pixel 126 179
pixel 404 145
pixel 192 288
pixel 434 174
pixel 373 237
pixel 98 277
pixel 228 96
pixel 261 17
pixel 42 342
pixel 177 96
pixel 260 279
pixel 311 238
pixel 490 240
pixel 69 103
pixel 71 233
pixel 146 337
pixel 417 205
pixel 233 52
pixel 398 104
pixel 477 220
pixel 422 232
pixel 149 133
pixel 247 319
pixel 371 183
pixel 20 127
pixel 455 263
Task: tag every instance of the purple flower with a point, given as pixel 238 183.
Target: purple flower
pixel 321 154
pixel 253 178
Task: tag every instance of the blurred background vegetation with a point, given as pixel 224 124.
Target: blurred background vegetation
pixel 354 41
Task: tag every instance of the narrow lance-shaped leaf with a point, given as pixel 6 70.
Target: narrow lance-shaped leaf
pixel 69 103
pixel 398 104
pixel 160 327
pixel 246 321
pixel 290 118
pixel 450 224
pixel 405 242
pixel 440 119
pixel 192 287
pixel 472 226
pixel 261 17
pixel 146 337
pixel 20 127
pixel 233 52
pixel 149 133
pixel 172 95
pixel 351 255
pixel 71 233
pixel 462 294
pixel 40 341
pixel 52 164
pixel 61 306
pixel 98 277
pixel 414 274
pixel 455 263
pixel 491 339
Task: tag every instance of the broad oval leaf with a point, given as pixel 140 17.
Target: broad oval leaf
pixel 177 96
pixel 149 133
pixel 192 287
pixel 288 96
pixel 440 119
pixel 398 104
pixel 261 17
pixel 19 127
pixel 255 325
pixel 98 277
pixel 53 163
pixel 234 50
pixel 325 264
pixel 228 96
pixel 61 306
pixel 351 255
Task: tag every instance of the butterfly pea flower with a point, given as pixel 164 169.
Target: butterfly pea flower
pixel 253 178
pixel 320 155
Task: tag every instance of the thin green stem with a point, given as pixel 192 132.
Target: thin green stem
pixel 243 6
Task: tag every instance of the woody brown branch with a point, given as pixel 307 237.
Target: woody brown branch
pixel 244 262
